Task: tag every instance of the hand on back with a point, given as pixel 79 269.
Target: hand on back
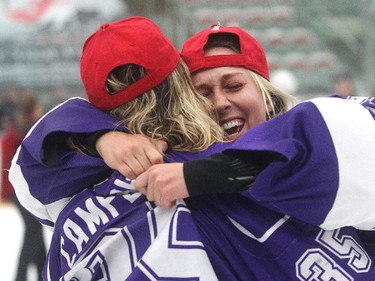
pixel 163 184
pixel 130 154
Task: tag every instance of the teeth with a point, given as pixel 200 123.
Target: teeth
pixel 232 124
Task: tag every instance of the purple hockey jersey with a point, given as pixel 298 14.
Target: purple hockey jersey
pixel 309 215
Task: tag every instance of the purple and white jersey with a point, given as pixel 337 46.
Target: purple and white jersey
pixel 309 215
pixel 111 232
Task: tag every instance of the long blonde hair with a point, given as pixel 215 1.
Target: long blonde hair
pixel 273 97
pixel 173 111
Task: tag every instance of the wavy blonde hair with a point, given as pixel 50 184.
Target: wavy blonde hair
pixel 273 97
pixel 173 111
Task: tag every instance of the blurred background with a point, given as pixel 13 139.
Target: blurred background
pixel 311 41
pixel 311 47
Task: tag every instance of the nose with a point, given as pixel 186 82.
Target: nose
pixel 220 101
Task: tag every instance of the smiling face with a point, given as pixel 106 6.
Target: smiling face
pixel 238 101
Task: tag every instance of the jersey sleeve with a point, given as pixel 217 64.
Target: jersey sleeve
pixel 325 172
pixel 44 189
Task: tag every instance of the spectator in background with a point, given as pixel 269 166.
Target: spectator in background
pixel 2 121
pixel 33 251
pixel 8 107
pixel 58 96
pixel 343 84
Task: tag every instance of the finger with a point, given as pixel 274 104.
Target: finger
pixel 132 166
pixel 126 171
pixel 144 159
pixel 140 183
pixel 158 199
pixel 164 203
pixel 161 146
pixel 170 204
pixel 153 157
pixel 150 189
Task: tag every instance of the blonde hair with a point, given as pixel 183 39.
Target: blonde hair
pixel 273 97
pixel 173 111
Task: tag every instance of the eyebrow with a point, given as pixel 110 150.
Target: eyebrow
pixel 203 85
pixel 230 75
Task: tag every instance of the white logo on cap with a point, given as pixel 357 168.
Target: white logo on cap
pixel 216 26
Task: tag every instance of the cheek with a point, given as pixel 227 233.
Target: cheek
pixel 255 111
pixel 258 117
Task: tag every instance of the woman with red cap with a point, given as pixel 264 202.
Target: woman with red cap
pixel 278 195
pixel 307 177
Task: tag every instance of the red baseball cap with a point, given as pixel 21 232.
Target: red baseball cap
pixel 135 40
pixel 252 55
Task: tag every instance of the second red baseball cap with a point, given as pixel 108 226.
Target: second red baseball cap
pixel 251 56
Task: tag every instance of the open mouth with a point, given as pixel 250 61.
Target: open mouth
pixel 233 128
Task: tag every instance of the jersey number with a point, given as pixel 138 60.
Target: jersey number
pixel 317 265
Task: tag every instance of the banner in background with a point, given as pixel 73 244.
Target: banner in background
pixel 41 40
